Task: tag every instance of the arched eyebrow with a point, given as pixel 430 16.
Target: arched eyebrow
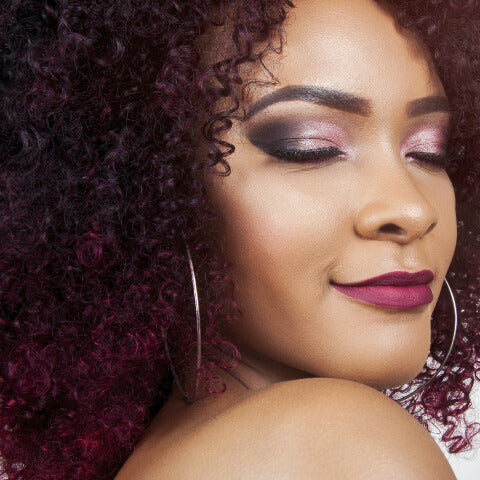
pixel 343 101
pixel 318 95
pixel 426 105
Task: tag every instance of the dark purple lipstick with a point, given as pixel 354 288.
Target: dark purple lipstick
pixel 399 290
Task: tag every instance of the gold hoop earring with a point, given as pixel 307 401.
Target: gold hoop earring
pixel 450 348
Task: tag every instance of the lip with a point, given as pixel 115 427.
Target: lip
pixel 399 290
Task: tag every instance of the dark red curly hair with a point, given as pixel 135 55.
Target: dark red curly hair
pixel 103 106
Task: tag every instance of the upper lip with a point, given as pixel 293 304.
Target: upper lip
pixel 397 279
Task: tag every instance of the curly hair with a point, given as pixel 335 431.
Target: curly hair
pixel 103 106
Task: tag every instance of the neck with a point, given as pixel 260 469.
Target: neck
pixel 256 372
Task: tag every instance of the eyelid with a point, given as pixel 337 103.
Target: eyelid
pixel 279 129
pixel 306 142
pixel 431 138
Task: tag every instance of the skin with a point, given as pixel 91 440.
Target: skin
pixel 289 230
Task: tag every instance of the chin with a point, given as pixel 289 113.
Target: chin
pixel 386 372
pixel 397 376
pixel 399 367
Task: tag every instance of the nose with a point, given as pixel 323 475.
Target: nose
pixel 396 210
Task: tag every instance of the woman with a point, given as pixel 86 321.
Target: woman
pixel 226 228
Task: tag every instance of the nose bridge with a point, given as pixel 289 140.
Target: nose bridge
pixel 393 206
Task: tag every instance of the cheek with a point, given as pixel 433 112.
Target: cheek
pixel 445 232
pixel 280 237
pixel 274 225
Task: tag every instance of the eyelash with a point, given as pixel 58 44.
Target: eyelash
pixel 309 155
pixel 318 155
pixel 438 160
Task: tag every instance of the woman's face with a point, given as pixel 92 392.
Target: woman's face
pixel 337 178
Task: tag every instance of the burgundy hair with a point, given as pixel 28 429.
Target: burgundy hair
pixel 103 105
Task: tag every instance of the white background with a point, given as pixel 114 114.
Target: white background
pixel 467 465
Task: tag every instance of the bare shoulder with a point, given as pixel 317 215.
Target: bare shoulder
pixel 308 429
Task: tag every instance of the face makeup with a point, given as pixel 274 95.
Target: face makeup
pixel 399 290
pixel 338 218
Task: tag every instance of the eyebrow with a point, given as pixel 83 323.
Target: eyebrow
pixel 343 101
pixel 426 105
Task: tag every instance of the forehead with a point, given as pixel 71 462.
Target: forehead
pixel 354 46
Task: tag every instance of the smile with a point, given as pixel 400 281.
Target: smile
pixel 392 290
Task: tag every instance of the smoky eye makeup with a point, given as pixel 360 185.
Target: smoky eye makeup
pixel 318 141
pixel 298 141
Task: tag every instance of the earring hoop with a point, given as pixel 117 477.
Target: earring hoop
pixel 198 328
pixel 450 348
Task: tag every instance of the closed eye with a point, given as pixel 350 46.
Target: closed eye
pixel 436 160
pixel 305 155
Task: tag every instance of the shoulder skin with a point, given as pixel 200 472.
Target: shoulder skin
pixel 304 429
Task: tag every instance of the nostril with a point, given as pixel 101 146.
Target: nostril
pixel 391 228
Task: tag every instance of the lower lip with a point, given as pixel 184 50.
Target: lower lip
pixel 390 296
